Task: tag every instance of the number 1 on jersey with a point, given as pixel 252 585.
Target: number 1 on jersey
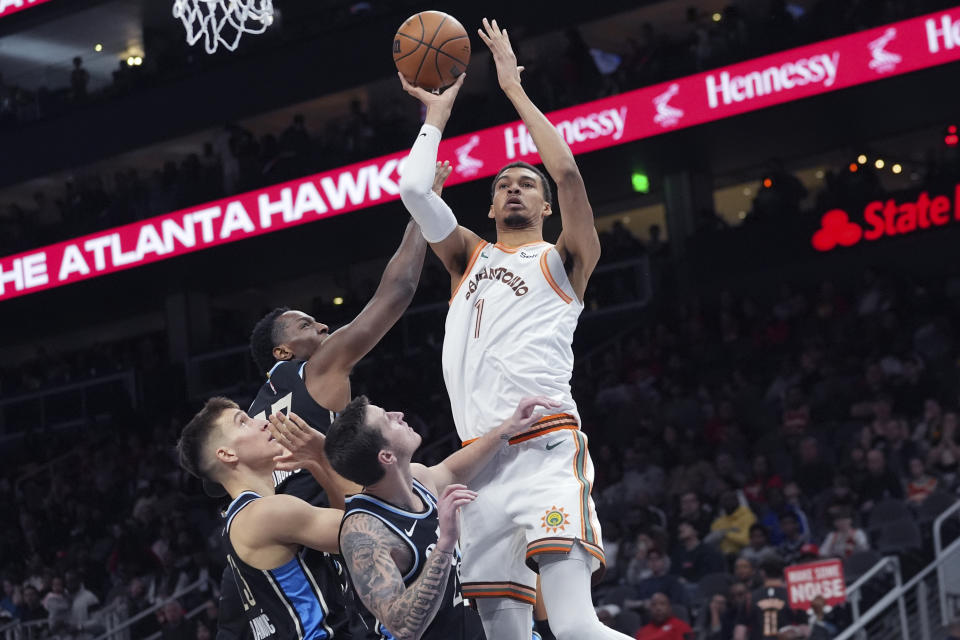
pixel 479 306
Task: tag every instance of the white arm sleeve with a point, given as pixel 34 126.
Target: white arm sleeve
pixel 435 218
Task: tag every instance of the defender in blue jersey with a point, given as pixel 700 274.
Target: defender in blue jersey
pixel 398 540
pixel 268 537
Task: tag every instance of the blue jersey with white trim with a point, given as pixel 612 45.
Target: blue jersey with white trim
pixel 292 601
pixel 420 532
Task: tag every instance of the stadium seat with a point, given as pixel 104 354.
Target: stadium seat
pixel 859 563
pixel 713 583
pixel 628 622
pixel 935 504
pixel 887 511
pixel 899 536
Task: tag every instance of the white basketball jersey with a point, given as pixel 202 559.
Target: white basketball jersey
pixel 509 335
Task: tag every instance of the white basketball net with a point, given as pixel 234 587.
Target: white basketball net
pixel 222 22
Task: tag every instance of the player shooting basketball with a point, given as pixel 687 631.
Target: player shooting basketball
pixel 509 333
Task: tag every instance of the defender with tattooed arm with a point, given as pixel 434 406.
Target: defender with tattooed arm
pixel 398 539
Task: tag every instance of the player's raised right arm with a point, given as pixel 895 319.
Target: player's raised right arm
pixel 451 242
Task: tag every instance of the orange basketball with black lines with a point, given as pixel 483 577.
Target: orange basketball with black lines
pixel 431 49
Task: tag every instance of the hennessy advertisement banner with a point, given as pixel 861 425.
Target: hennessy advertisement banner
pixel 748 86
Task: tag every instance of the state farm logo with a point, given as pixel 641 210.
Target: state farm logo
pixel 467 165
pixel 884 61
pixel 667 114
pixel 836 229
pixel 884 219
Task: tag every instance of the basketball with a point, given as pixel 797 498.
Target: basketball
pixel 431 49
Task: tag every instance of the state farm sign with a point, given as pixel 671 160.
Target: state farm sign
pixel 816 579
pixel 9 7
pixel 886 218
pixel 763 82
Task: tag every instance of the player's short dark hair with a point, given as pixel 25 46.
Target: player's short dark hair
pixel 352 446
pixel 265 336
pixel 544 181
pixel 196 435
pixel 762 529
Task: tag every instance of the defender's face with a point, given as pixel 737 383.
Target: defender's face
pixel 302 333
pixel 400 437
pixel 518 199
pixel 248 438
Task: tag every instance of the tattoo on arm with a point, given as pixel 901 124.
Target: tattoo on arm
pixel 406 612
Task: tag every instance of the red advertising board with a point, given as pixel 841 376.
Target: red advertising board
pixel 807 581
pixel 9 7
pixel 756 84
pixel 887 218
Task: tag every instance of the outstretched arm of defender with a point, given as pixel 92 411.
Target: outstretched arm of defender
pixel 370 549
pixel 579 239
pixel 451 242
pixel 304 450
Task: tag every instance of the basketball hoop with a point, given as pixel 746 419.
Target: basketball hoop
pixel 222 22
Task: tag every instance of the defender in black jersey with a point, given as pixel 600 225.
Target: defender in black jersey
pixel 308 369
pixel 284 589
pixel 397 539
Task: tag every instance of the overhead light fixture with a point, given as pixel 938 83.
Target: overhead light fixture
pixel 896 168
pixel 98 47
pixel 862 159
pixel 717 17
pixel 879 163
pixel 338 301
pixel 130 62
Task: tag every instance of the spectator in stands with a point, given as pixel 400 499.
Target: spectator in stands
pixel 879 483
pixel 811 472
pixel 921 483
pixel 845 539
pixel 11 598
pixel 174 625
pixel 759 548
pixel 79 79
pixel 928 429
pixel 732 527
pixel 663 624
pixel 820 627
pixel 32 608
pixel 692 560
pixel 793 538
pixel 745 571
pixel 57 604
pixel 660 581
pixel 82 600
pixel 694 512
pixel 638 568
pixel 770 609
pixel 755 490
pixel 944 455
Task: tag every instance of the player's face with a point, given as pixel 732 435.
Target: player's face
pixel 302 334
pixel 249 438
pixel 518 200
pixel 399 435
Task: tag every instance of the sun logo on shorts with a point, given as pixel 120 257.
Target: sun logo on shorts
pixel 554 519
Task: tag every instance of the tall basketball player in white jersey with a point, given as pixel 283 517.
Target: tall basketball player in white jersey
pixel 509 330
